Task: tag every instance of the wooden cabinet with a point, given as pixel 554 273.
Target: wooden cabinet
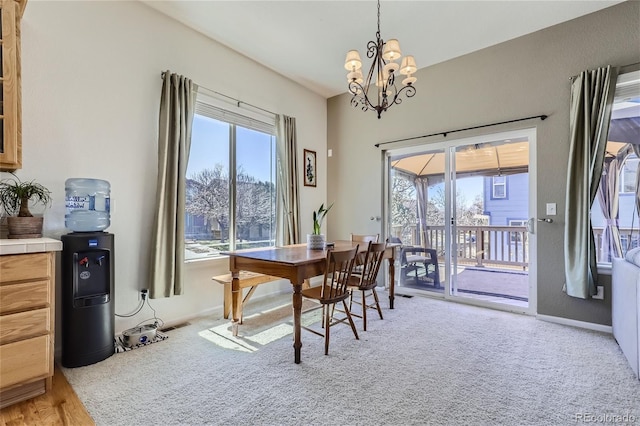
pixel 26 325
pixel 10 80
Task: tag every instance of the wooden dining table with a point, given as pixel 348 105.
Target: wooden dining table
pixel 297 264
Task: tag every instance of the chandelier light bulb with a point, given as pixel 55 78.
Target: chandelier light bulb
pixel 391 50
pixel 353 62
pixel 408 65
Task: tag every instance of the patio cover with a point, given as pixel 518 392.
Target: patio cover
pixel 475 160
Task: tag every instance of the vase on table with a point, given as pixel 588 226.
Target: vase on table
pixel 315 241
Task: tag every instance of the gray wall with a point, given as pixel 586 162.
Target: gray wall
pixel 519 78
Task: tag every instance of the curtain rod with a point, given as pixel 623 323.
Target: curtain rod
pixel 621 70
pixel 237 101
pixel 541 117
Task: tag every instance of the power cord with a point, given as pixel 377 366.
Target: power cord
pixel 138 309
pixel 158 323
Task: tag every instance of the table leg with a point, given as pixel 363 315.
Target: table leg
pixel 236 302
pixel 392 278
pixel 297 309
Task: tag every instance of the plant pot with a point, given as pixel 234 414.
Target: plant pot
pixel 25 227
pixel 315 241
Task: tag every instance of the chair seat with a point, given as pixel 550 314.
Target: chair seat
pixel 356 282
pixel 315 293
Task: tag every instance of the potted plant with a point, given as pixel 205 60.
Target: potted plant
pixel 316 240
pixel 15 196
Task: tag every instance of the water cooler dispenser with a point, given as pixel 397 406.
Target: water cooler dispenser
pixel 87 275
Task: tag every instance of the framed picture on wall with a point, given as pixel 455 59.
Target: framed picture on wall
pixel 309 168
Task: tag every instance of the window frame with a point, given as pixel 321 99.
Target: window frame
pixel 495 184
pixel 635 159
pixel 233 116
pixel 627 87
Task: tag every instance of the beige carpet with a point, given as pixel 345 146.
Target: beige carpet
pixel 429 362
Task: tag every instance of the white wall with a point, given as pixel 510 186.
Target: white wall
pixel 91 91
pixel 523 77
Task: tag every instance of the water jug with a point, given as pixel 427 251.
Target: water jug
pixel 87 204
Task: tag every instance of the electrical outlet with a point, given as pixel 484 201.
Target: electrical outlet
pixel 600 294
pixel 143 294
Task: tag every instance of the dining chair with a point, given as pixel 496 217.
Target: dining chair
pixel 363 238
pixel 365 281
pixel 339 266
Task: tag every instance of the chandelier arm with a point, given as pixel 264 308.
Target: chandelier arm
pixel 359 96
pixel 408 90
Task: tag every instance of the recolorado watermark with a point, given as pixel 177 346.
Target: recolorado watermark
pixel 604 418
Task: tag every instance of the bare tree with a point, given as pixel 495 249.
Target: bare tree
pixel 403 206
pixel 208 197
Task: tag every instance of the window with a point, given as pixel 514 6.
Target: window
pixel 623 130
pixel 499 184
pixel 628 175
pixel 517 236
pixel 231 182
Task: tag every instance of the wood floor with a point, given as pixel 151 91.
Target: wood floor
pixel 60 406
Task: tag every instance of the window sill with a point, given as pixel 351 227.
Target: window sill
pixel 207 261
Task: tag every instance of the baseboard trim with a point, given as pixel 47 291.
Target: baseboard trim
pixel 576 323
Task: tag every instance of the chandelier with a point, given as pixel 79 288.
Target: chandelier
pixel 383 72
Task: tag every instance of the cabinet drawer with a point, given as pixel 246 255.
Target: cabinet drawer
pixel 25 360
pixel 19 297
pixel 22 267
pixel 24 325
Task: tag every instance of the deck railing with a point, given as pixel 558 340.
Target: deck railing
pixel 629 237
pixel 505 246
pixel 498 245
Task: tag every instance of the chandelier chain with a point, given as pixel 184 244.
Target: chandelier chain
pixel 378 33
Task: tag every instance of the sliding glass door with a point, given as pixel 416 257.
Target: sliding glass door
pixel 417 218
pixel 490 210
pixel 461 210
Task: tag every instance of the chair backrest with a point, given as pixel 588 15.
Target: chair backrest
pixel 372 262
pixel 338 272
pixel 365 238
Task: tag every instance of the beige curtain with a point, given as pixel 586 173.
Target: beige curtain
pixel 288 207
pixel 608 196
pixel 591 99
pixel 421 183
pixel 177 105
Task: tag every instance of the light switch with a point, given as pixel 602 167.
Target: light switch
pixel 551 209
pixel 329 153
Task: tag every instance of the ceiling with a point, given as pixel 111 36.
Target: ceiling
pixel 307 40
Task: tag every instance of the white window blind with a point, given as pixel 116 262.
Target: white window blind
pixel 232 113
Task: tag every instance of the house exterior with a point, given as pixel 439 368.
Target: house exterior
pixel 506 200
